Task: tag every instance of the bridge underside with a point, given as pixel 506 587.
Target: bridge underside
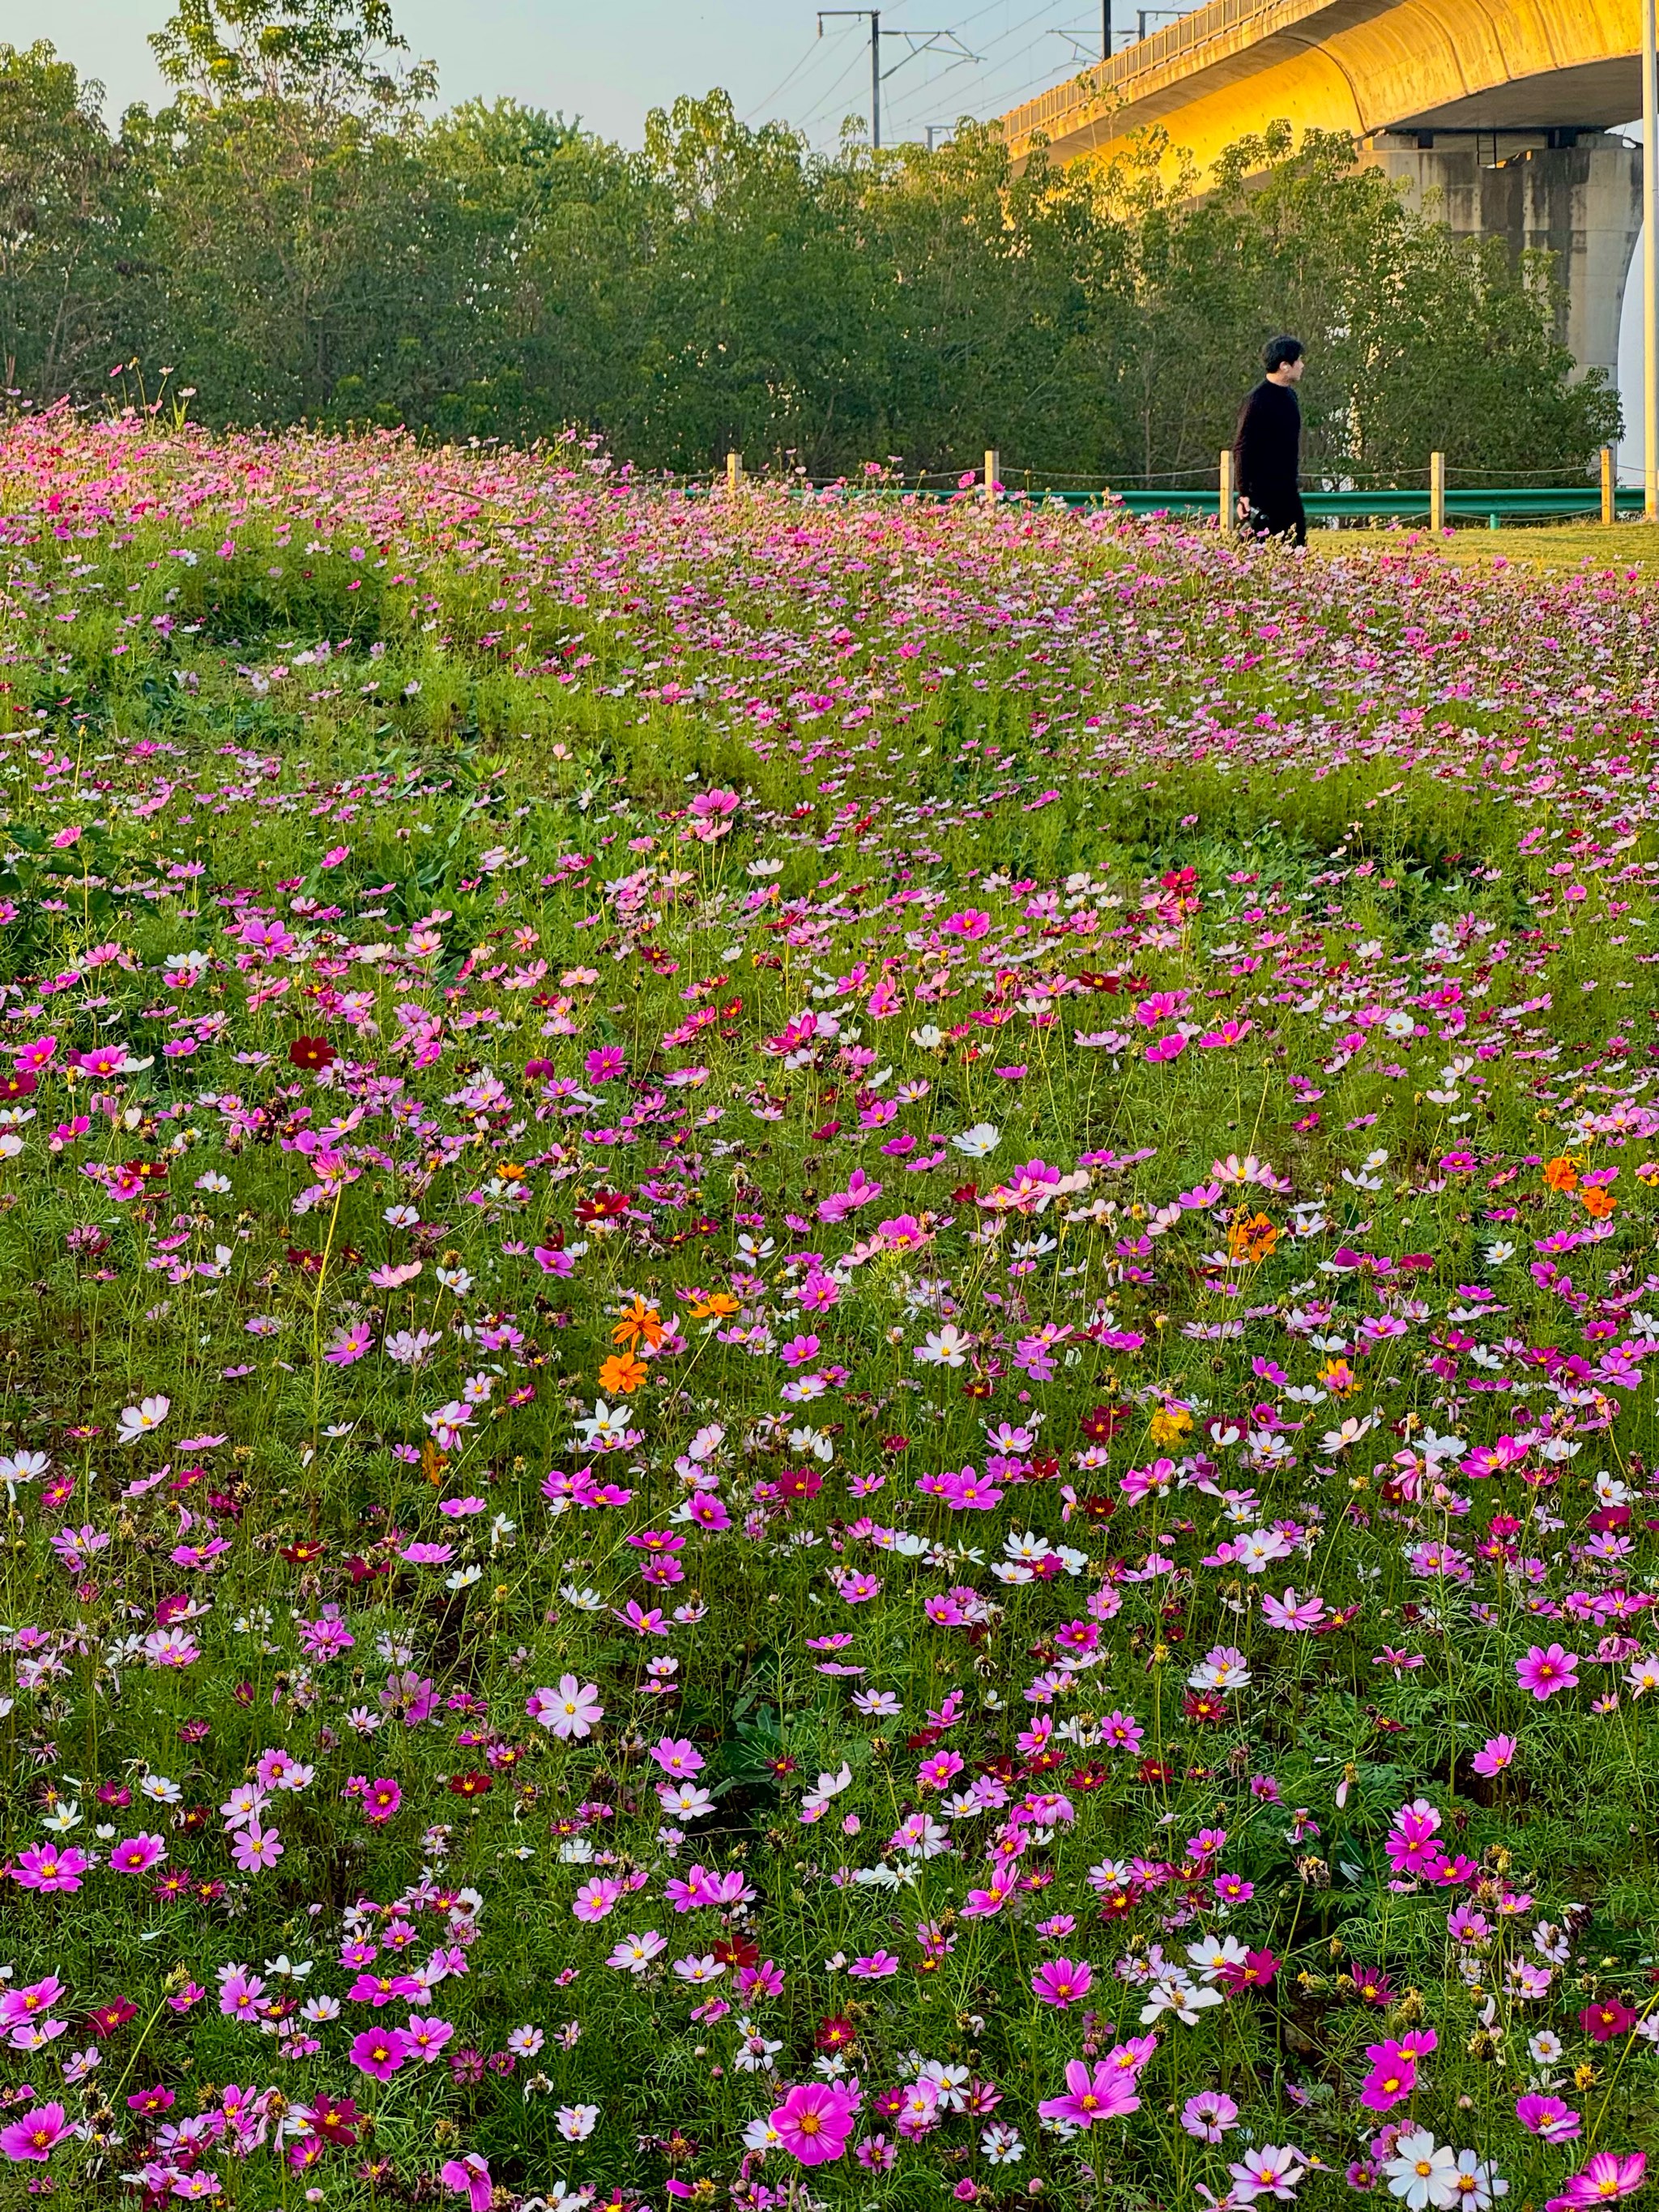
pixel 1494 114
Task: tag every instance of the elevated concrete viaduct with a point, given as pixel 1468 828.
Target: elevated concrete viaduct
pixel 1496 114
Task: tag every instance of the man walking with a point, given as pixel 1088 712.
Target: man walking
pixel 1267 450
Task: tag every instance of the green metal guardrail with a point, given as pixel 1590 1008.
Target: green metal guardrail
pixel 1498 503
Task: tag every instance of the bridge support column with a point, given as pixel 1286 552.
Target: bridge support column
pixel 1582 201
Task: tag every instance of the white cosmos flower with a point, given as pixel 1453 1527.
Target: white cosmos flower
pixel 138 1420
pixel 984 1137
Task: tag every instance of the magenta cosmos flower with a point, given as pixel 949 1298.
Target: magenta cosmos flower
pixel 469 2176
pixel 41 1867
pixel 1544 1672
pixel 1062 1982
pixel 33 2136
pixel 813 2121
pixel 1606 2176
pixel 1092 2094
pixel 138 1854
pixel 380 2051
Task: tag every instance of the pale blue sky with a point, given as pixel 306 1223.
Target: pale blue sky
pixel 610 61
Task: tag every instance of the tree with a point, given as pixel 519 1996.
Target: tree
pixel 61 208
pixel 279 186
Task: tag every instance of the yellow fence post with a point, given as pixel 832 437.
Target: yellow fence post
pixel 1437 493
pixel 1609 504
pixel 992 474
pixel 1229 499
pixel 733 474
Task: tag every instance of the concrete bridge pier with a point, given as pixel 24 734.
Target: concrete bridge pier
pixel 1577 191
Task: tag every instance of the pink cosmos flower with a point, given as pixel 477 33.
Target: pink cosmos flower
pixel 254 1847
pixel 1062 1982
pixel 1609 2174
pixel 138 1854
pixel 378 2052
pixel 1272 2171
pixel 677 1755
pixel 1101 2092
pixel 1494 1755
pixel 240 1995
pixel 1208 2116
pixel 572 1710
pixel 33 2136
pixel 350 1344
pixel 1545 1672
pixel 1291 1611
pixel 469 2176
pixel 874 1966
pixel 594 1899
pixel 813 2121
pixel 1392 2078
pixel 425 2035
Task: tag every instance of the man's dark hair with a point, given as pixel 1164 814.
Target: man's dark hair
pixel 1280 353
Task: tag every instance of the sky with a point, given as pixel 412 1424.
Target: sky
pixel 609 63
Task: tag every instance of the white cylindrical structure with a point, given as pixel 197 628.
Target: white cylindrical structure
pixel 1649 263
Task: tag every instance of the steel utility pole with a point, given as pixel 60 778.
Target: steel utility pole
pixel 1650 265
pixel 874 14
pixel 1105 30
pixel 917 42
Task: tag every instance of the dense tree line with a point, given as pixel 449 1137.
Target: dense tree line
pixel 297 234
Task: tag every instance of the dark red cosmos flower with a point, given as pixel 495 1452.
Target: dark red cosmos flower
pixel 335 2119
pixel 1602 2021
pixel 1156 1770
pixel 17 1083
pixel 104 2019
pixel 471 1785
pixel 1090 1777
pixel 736 1951
pixel 305 1553
pixel 838 2033
pixel 799 1483
pixel 603 1205
pixel 1102 1423
pixel 1203 1706
pixel 1254 1971
pixel 312 1052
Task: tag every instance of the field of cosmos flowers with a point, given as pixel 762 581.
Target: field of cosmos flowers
pixel 826 1330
